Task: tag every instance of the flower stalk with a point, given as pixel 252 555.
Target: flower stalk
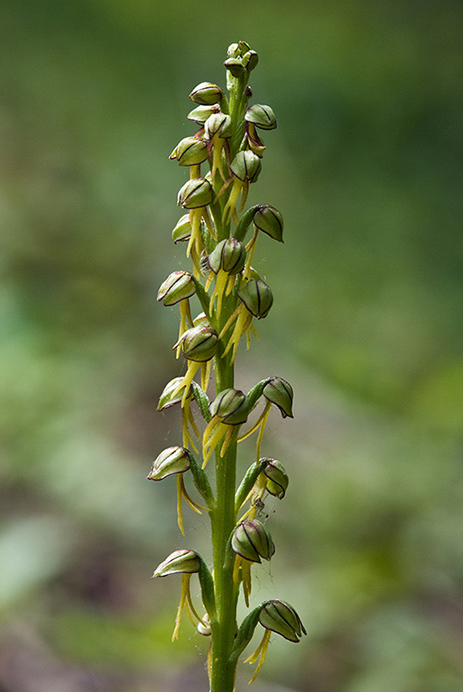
pixel 224 157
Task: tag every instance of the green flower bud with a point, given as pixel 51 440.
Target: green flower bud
pixel 257 297
pixel 269 220
pixel 182 230
pixel 229 255
pixel 179 562
pixel 199 343
pixel 230 406
pixel 277 478
pixel 190 151
pixel 246 166
pixel 195 193
pixel 235 66
pixel 261 116
pixel 168 398
pixel 172 460
pixel 252 541
pixel 280 393
pixel 281 618
pixel 218 123
pixel 206 94
pixel 200 114
pixel 178 286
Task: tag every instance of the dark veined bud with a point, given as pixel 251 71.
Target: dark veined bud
pixel 279 392
pixel 220 124
pixel 230 406
pixel 229 255
pixel 195 193
pixel 171 394
pixel 277 478
pixel 171 461
pixel 257 297
pixel 199 343
pixel 190 151
pixel 246 166
pixel 206 94
pixel 200 114
pixel 235 66
pixel 182 561
pixel 269 220
pixel 178 286
pixel 252 541
pixel 250 60
pixel 182 230
pixel 261 116
pixel 280 617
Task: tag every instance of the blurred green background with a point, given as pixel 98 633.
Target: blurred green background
pixel 366 167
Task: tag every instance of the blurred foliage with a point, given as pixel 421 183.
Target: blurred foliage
pixel 366 168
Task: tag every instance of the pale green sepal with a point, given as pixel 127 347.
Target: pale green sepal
pixel 181 561
pixel 178 286
pixel 171 394
pixel 200 114
pixel 206 94
pixel 169 462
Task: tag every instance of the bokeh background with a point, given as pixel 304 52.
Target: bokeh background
pixel 366 167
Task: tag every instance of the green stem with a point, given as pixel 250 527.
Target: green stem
pixel 223 515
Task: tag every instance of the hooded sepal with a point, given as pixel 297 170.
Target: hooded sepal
pixel 280 617
pixel 230 406
pixel 251 541
pixel 169 462
pixel 276 477
pixel 181 561
pixel 279 392
pixel 178 286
